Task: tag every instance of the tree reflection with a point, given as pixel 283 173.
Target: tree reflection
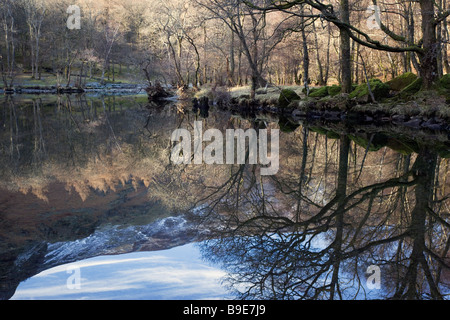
pixel 320 247
pixel 335 207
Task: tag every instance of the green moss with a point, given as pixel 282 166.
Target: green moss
pixel 400 146
pixel 379 140
pixel 319 93
pixel 286 97
pixel 444 82
pixel 286 125
pixel 334 90
pixel 402 81
pixel 443 151
pixel 311 89
pixel 413 88
pixel 318 130
pixel 333 135
pixel 330 134
pixel 444 154
pixel 443 87
pixel 379 89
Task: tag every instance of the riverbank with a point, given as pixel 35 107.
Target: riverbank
pixel 93 87
pixel 402 126
pixel 417 109
pixel 398 102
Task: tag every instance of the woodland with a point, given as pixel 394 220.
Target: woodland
pixel 225 43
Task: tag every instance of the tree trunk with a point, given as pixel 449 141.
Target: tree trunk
pixel 428 60
pixel 231 66
pixel 341 192
pixel 346 70
pixel 321 80
pixel 305 57
pixel 445 40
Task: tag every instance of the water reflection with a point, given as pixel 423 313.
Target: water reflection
pixel 321 249
pixel 345 197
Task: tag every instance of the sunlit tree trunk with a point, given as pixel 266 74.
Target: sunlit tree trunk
pixel 345 50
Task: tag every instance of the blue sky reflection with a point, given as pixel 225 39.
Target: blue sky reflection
pixel 174 274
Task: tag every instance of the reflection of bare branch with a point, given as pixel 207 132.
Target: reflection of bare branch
pixel 356 225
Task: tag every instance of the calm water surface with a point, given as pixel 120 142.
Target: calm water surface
pixel 92 208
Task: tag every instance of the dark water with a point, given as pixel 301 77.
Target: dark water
pixel 354 212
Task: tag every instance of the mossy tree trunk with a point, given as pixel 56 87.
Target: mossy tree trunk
pixel 429 58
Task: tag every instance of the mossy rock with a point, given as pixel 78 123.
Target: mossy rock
pixel 319 93
pixel 402 81
pixel 412 89
pixel 286 97
pixel 330 134
pixel 444 82
pixel 311 90
pixel 379 89
pixel 378 141
pixel 400 146
pixel 318 130
pixel 286 125
pixel 331 90
pixel 443 151
pixel 443 87
pixel 333 135
pixel 445 154
pixel 334 90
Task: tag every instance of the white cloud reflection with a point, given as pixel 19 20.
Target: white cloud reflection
pixel 177 273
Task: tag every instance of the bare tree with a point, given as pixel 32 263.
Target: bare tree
pixel 35 11
pixel 251 28
pixel 427 48
pixel 7 64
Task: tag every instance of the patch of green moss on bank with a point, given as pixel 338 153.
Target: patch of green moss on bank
pixel 286 97
pixel 319 93
pixel 334 90
pixel 319 130
pixel 444 82
pixel 403 147
pixel 377 142
pixel 402 81
pixel 333 135
pixel 379 90
pixel 286 125
pixel 411 89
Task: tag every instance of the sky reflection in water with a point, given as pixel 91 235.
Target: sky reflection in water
pixel 381 198
pixel 177 273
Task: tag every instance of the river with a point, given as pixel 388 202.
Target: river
pixel 93 207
